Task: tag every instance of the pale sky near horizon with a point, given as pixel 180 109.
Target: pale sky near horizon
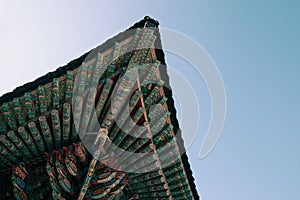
pixel 255 44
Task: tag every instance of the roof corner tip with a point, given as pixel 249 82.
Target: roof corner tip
pixel 145 22
pixel 151 20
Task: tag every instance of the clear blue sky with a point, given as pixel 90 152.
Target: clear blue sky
pixel 255 44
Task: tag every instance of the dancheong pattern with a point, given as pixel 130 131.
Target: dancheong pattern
pixel 46 153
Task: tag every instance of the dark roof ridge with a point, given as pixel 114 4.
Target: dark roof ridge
pixel 171 106
pixel 19 91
